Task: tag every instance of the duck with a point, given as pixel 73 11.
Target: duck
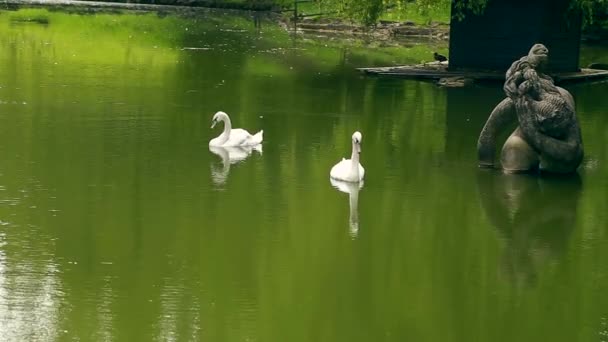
pixel 233 137
pixel 350 170
pixel 439 58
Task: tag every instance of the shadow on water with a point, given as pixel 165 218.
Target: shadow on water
pixel 535 216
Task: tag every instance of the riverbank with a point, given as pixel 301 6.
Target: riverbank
pixel 383 30
pixel 184 7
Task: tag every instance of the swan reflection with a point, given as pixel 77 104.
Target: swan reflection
pixel 352 189
pixel 229 156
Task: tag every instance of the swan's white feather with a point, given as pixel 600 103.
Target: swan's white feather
pixel 236 137
pixel 342 171
pixel 350 170
pixel 240 137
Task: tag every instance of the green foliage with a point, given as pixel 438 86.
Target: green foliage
pixel 369 12
pixel 30 15
pixel 366 12
pixel 474 6
pixel 595 12
pixel 422 12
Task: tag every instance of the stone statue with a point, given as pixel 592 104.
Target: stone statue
pixel 548 137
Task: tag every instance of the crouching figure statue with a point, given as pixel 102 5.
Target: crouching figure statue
pixel 548 136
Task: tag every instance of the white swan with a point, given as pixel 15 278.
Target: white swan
pixel 352 189
pixel 233 137
pixel 349 170
pixel 229 155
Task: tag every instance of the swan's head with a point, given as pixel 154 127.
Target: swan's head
pixel 219 116
pixel 357 137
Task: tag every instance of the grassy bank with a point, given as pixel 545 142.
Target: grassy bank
pixel 409 13
pixel 256 5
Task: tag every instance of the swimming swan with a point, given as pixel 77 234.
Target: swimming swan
pixel 349 170
pixel 233 137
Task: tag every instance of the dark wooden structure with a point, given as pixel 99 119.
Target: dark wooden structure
pixel 437 71
pixel 507 29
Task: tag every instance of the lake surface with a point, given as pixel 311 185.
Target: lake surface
pixel 117 223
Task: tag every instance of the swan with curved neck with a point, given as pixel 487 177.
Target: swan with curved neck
pixel 350 170
pixel 233 137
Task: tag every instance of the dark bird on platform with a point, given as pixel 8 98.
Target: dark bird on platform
pixel 439 58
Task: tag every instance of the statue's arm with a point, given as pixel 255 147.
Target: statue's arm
pixel 568 151
pixel 512 83
pixel 502 115
pixel 566 94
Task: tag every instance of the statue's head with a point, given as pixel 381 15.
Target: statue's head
pixel 538 55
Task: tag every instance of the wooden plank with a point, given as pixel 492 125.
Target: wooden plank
pixel 424 72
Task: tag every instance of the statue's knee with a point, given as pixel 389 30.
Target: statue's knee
pixel 518 156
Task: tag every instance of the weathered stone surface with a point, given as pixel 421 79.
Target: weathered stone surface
pixel 548 137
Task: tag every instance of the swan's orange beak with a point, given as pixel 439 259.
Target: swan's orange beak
pixel 213 123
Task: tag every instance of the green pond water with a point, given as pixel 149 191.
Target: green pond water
pixel 117 223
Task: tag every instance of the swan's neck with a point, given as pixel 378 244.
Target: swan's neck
pixel 227 125
pixel 226 133
pixel 354 159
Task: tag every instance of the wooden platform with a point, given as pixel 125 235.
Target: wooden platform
pixel 437 71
